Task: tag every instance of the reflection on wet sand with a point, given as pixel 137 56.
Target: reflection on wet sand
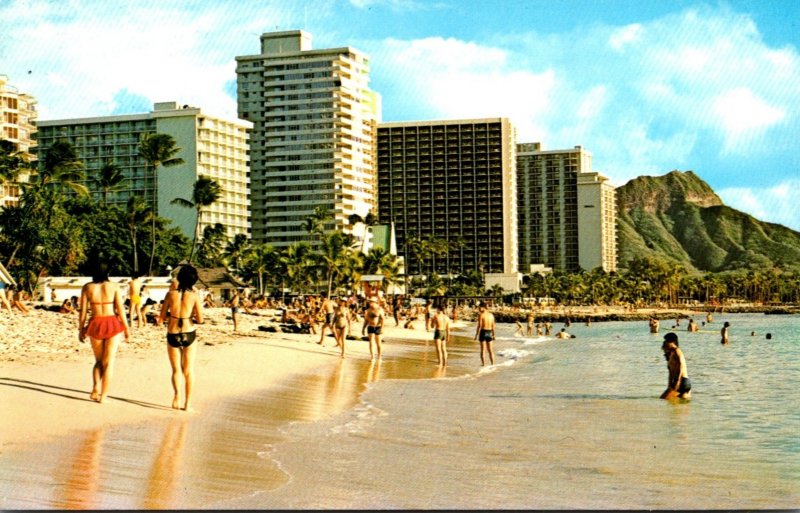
pixel 166 470
pixel 202 460
pixel 82 482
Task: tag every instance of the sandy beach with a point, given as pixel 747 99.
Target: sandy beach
pixel 282 422
pixel 46 372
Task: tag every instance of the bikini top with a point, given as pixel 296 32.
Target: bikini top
pixel 180 319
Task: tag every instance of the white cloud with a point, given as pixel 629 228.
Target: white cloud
pixel 776 204
pixel 451 79
pixel 625 36
pixel 90 52
pixel 742 113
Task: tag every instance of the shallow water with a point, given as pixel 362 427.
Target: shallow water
pixel 568 424
pixel 555 424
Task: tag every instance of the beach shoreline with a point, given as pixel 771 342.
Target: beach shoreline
pixel 46 372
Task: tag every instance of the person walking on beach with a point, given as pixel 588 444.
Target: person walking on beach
pixel 678 383
pixel 234 304
pixel 530 320
pixel 428 315
pixel 485 332
pixel 373 323
pixel 724 333
pixel 326 308
pixel 134 286
pixel 182 308
pixel 341 323
pixel 104 328
pixel 441 334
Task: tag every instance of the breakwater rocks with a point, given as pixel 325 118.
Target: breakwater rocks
pixel 599 315
pixel 586 317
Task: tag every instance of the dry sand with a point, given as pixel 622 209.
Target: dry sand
pixel 45 372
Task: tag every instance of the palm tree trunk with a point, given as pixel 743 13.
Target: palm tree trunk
pixel 13 255
pixel 153 230
pixel 153 248
pixel 196 233
pixel 135 252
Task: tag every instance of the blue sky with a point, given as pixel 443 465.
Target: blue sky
pixel 647 87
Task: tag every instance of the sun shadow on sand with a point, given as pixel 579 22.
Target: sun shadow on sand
pixel 34 386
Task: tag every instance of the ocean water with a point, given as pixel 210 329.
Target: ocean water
pixel 571 423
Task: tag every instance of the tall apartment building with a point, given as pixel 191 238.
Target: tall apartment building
pixel 567 212
pixel 17 117
pixel 452 180
pixel 314 120
pixel 211 147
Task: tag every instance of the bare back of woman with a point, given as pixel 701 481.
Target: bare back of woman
pixel 181 309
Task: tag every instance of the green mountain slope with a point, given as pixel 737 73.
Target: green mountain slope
pixel 679 218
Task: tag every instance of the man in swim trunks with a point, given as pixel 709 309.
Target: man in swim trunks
pixel 104 329
pixel 678 383
pixel 485 333
pixel 441 334
pixel 234 304
pixel 373 324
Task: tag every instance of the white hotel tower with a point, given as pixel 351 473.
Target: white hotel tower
pixel 314 131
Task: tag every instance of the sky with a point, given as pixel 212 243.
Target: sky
pixel 646 86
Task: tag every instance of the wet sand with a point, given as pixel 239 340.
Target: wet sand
pixel 58 449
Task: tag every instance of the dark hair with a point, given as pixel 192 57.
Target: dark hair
pixel 187 277
pixel 100 272
pixel 671 337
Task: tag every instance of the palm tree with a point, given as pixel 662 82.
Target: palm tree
pixel 157 150
pixel 368 220
pixel 334 251
pixel 110 178
pixel 136 214
pixel 61 165
pixel 237 249
pixel 12 162
pixel 206 192
pixel 210 246
pixel 299 263
pixel 379 261
pixel 315 223
pixel 259 259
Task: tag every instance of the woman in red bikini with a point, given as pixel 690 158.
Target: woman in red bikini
pixel 104 329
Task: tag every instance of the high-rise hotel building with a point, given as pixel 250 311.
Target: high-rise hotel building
pixel 210 147
pixel 567 212
pixel 313 141
pixel 452 180
pixel 17 117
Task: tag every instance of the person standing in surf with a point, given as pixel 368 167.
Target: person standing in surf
pixel 485 333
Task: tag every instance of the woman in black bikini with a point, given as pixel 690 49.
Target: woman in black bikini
pixel 104 328
pixel 181 309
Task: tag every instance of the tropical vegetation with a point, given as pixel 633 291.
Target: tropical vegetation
pixel 50 233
